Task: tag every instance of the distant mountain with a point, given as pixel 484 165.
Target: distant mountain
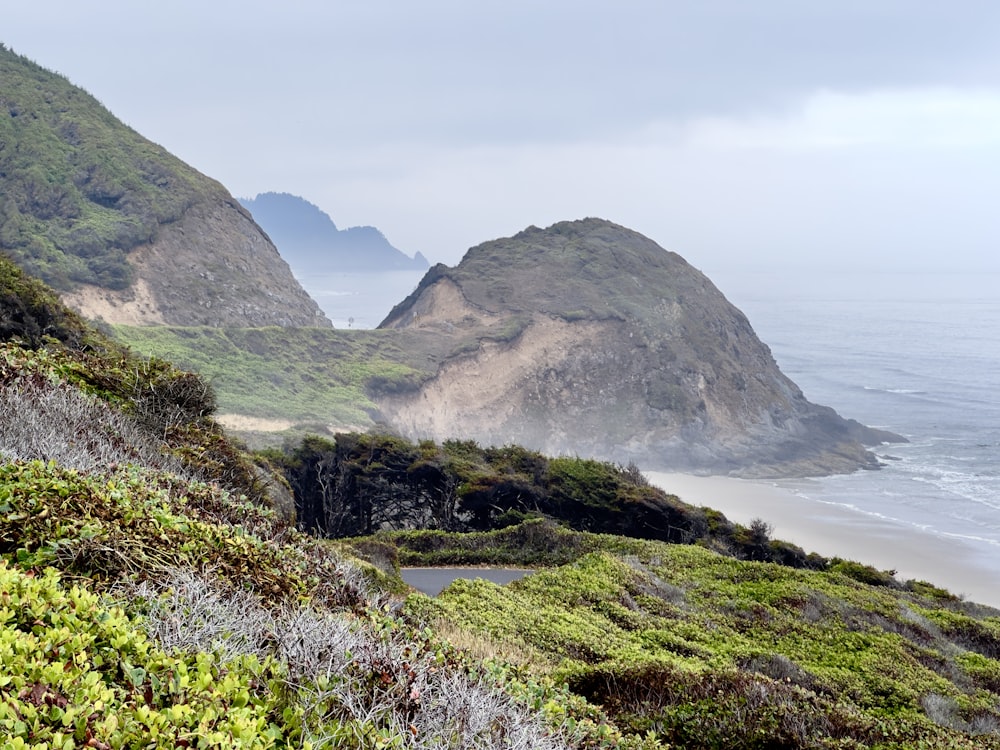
pixel 309 240
pixel 589 338
pixel 122 228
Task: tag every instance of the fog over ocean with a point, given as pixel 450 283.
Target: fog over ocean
pixel 916 353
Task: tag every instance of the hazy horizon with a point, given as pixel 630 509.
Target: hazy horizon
pixel 823 135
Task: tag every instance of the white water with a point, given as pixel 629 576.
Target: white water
pixel 915 353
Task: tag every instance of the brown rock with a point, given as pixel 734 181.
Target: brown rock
pixel 588 338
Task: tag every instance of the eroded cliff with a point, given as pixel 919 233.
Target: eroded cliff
pixel 589 338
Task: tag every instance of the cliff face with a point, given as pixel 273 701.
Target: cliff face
pixel 589 338
pixel 122 228
pixel 214 267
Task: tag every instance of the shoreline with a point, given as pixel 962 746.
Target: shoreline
pixel 834 530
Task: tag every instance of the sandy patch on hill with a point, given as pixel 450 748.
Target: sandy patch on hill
pixel 135 306
pixel 489 387
pixel 443 307
pixel 244 423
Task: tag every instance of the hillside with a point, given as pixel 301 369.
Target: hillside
pixel 312 244
pixel 124 230
pixel 589 338
pixel 154 594
pixel 153 591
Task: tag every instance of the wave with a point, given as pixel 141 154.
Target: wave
pixel 970 488
pixel 899 391
pixel 910 523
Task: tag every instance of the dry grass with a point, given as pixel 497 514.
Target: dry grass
pixel 42 420
pixel 482 647
pixel 345 672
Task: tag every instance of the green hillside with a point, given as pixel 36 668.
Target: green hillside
pixel 154 594
pixel 310 376
pixel 80 188
pixel 154 591
pixel 703 651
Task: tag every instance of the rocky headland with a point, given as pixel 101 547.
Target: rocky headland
pixel 588 338
pixel 313 244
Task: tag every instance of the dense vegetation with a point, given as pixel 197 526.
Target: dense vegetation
pixel 358 484
pixel 155 592
pixel 705 651
pixel 80 188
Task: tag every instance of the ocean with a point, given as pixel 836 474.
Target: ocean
pixel 912 352
pixel 360 300
pixel 916 353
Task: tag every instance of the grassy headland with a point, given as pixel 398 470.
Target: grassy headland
pixel 154 592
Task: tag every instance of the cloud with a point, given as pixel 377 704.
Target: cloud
pixel 768 132
pixel 933 118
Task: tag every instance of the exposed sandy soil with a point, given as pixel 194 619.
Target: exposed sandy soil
pixel 489 387
pixel 443 306
pixel 243 423
pixel 135 306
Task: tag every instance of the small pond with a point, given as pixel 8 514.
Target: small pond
pixel 431 581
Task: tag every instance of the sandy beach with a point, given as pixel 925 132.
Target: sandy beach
pixel 834 530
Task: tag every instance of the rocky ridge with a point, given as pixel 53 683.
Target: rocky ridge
pixel 589 338
pixel 213 267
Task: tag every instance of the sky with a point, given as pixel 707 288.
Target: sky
pixel 821 134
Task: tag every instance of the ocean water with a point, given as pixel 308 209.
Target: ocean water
pixel 914 353
pixel 359 300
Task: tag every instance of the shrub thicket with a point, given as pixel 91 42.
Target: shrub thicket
pixel 360 484
pixel 80 188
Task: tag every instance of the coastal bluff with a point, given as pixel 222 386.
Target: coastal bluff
pixel 588 338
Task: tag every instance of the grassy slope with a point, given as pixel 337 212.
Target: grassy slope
pixel 81 189
pixel 316 376
pixel 707 651
pixel 150 597
pixel 143 604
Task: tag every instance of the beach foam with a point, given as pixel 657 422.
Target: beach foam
pixel 835 530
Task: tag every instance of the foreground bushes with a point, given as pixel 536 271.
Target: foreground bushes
pixel 229 630
pixel 78 672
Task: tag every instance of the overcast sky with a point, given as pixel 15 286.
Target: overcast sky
pixel 827 133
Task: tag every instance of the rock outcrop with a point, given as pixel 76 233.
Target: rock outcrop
pixel 589 338
pixel 312 244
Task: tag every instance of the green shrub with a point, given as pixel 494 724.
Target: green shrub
pixel 77 673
